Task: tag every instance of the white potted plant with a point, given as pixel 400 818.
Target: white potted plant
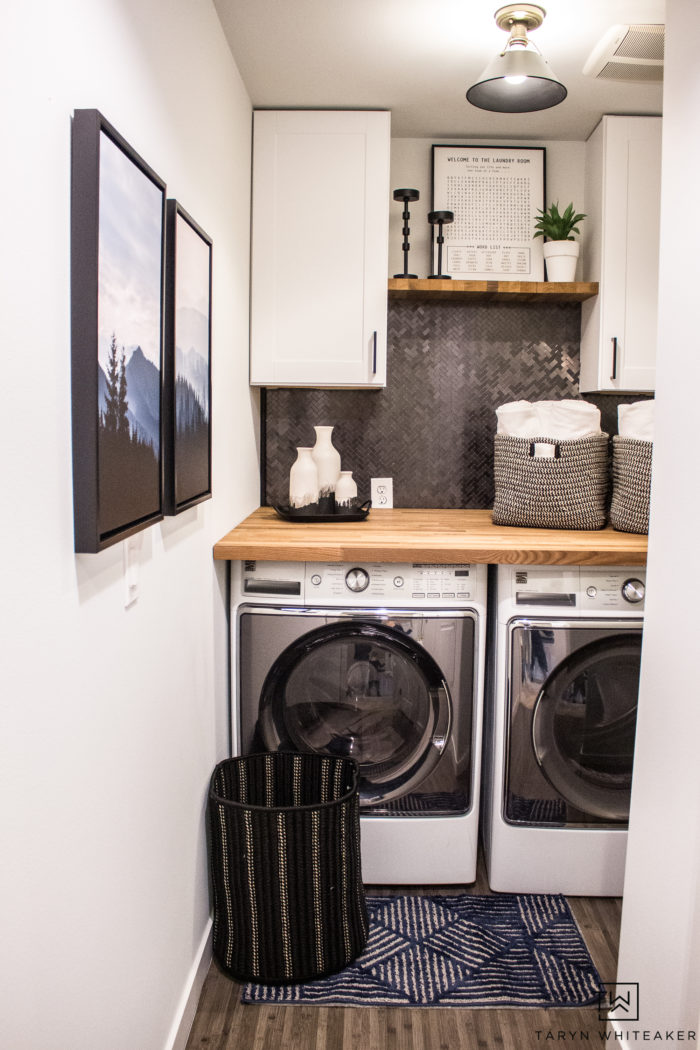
pixel 560 248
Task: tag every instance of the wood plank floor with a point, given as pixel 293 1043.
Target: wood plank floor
pixel 222 1022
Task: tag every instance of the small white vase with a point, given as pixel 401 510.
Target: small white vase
pixel 561 258
pixel 345 490
pixel 327 460
pixel 303 480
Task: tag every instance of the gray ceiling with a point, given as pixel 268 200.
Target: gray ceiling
pixel 417 58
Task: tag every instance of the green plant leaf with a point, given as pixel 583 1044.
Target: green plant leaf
pixel 556 226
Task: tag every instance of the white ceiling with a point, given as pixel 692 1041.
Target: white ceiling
pixel 418 57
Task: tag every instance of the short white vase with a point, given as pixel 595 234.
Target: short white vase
pixel 561 258
pixel 327 459
pixel 303 480
pixel 345 490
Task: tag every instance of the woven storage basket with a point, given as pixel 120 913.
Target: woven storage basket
pixel 289 903
pixel 566 491
pixel 631 485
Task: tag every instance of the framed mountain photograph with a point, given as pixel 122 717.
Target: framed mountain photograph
pixel 187 363
pixel 117 279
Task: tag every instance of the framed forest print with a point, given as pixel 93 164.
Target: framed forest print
pixel 117 279
pixel 187 363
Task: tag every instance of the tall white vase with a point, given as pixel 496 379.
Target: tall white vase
pixel 303 480
pixel 327 460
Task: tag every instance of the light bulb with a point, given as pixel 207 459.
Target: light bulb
pixel 515 80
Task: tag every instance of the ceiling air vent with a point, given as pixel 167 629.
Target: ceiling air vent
pixel 628 53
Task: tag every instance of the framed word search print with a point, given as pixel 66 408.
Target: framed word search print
pixel 494 193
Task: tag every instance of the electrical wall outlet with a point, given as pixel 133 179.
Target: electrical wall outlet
pixel 132 558
pixel 382 493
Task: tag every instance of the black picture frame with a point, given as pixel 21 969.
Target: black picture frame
pixel 187 363
pixel 493 238
pixel 117 287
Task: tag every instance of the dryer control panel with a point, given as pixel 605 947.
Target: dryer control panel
pixel 583 588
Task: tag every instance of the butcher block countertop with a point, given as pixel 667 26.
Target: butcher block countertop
pixel 439 536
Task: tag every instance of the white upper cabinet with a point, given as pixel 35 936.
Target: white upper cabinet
pixel 621 251
pixel 320 229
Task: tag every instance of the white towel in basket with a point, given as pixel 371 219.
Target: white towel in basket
pixel 565 420
pixel 636 420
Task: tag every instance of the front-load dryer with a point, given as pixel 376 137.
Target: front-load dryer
pixel 384 664
pixel 561 711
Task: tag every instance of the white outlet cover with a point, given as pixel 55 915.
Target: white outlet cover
pixel 382 493
pixel 132 556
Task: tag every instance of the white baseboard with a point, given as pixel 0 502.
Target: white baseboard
pixel 184 1016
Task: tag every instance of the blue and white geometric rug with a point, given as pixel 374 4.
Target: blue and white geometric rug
pixel 504 950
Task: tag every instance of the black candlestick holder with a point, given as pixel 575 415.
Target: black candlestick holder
pixel 440 219
pixel 406 196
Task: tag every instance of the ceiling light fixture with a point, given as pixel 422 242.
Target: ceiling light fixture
pixel 518 80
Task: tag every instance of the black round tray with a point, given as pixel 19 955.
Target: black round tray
pixel 341 514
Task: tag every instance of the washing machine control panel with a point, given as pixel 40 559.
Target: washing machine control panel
pixel 401 583
pixel 587 588
pixel 363 584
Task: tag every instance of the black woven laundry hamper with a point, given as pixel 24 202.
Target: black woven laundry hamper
pixel 289 903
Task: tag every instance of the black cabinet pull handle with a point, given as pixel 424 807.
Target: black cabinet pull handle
pixel 374 355
pixel 614 358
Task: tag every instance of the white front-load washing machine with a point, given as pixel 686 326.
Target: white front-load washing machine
pixel 384 664
pixel 561 708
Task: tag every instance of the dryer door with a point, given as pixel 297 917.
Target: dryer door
pixel 583 725
pixel 365 691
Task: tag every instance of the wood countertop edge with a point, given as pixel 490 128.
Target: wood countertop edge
pixel 462 556
pixel 438 536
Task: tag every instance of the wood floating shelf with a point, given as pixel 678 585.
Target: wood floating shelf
pixel 438 536
pixel 423 289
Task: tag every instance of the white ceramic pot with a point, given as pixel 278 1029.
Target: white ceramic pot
pixel 303 480
pixel 345 490
pixel 560 258
pixel 327 460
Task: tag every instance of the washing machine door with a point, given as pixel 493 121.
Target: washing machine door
pixel 362 690
pixel 583 725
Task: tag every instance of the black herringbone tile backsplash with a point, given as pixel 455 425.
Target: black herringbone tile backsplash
pixel 431 429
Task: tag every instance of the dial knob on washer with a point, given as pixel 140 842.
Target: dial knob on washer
pixel 633 591
pixel 357 580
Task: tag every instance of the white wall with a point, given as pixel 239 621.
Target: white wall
pixel 660 945
pixel 411 166
pixel 111 719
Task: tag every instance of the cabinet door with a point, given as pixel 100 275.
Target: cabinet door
pixel 319 248
pixel 621 251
